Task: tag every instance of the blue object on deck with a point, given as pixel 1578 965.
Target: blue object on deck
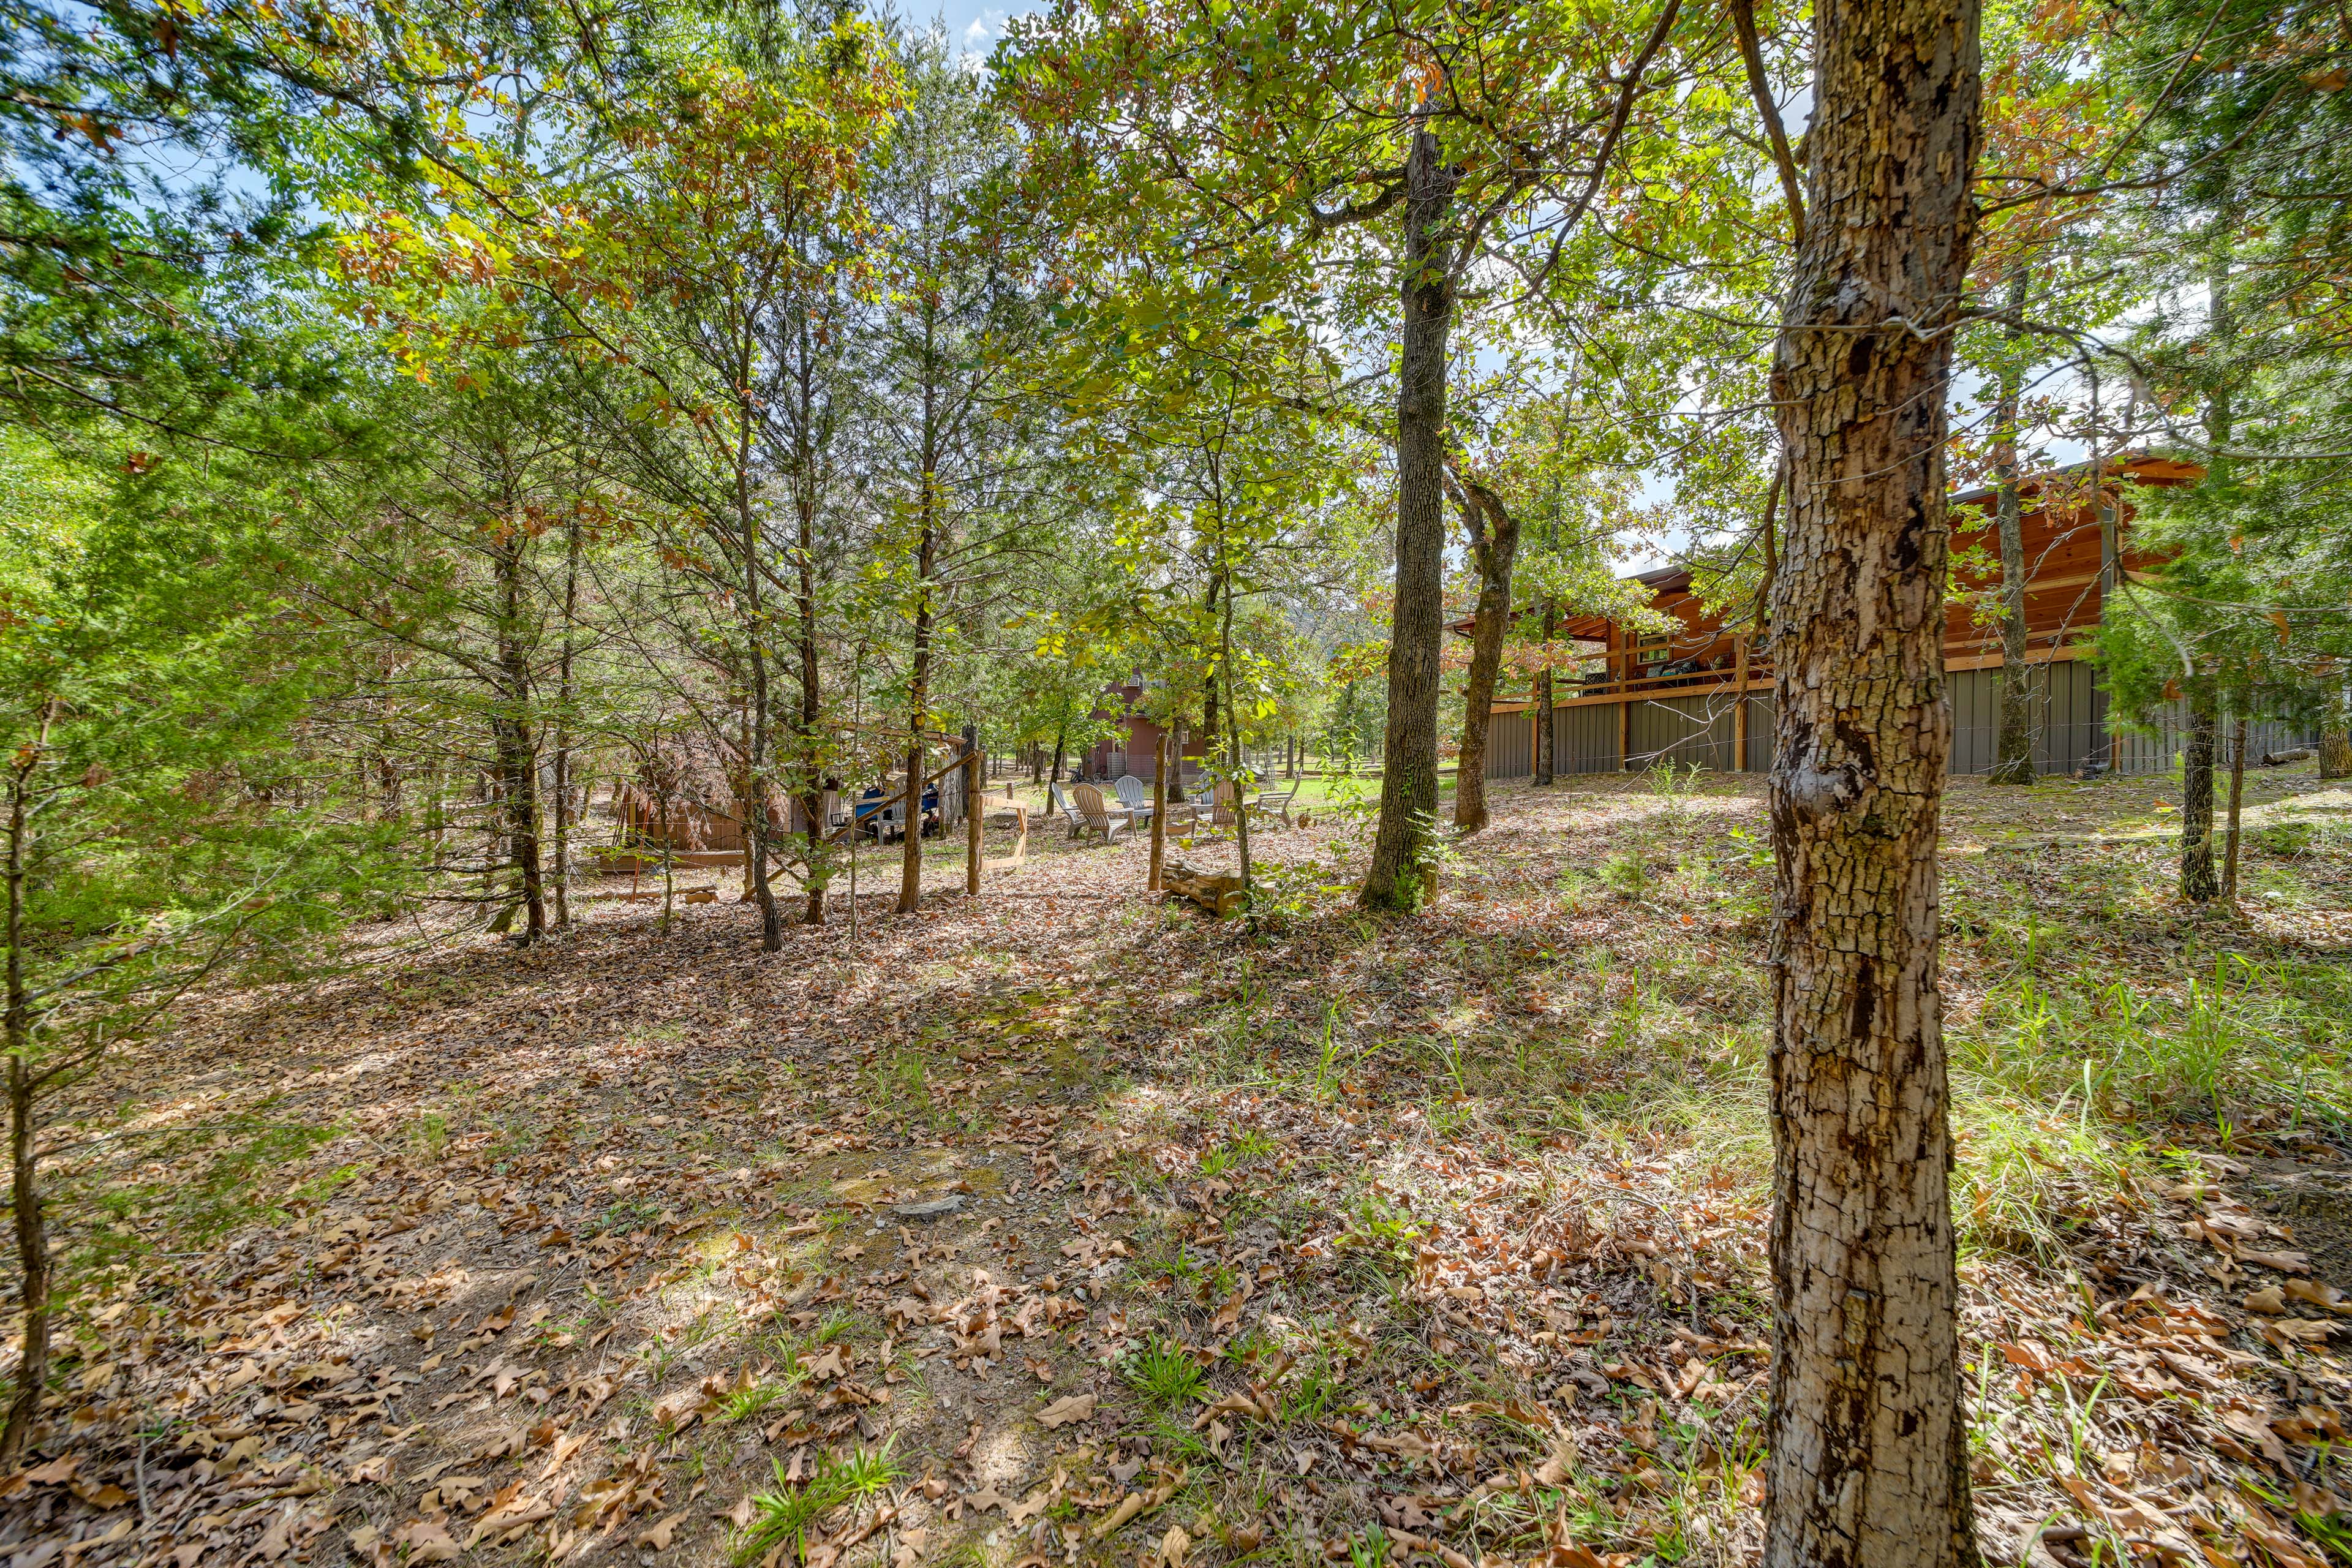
pixel 873 802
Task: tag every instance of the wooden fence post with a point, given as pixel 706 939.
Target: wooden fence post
pixel 1159 812
pixel 973 789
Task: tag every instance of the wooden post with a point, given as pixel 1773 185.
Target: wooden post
pixel 972 788
pixel 1159 811
pixel 1624 662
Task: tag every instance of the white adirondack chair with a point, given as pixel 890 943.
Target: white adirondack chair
pixel 1099 817
pixel 1057 801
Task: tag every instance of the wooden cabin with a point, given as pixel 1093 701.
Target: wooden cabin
pixel 1701 690
pixel 1132 744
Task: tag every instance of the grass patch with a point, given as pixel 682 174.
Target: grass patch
pixel 782 1517
pixel 1163 1375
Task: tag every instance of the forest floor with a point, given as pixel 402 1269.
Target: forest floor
pixel 1061 1225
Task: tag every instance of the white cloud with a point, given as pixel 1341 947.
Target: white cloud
pixel 985 29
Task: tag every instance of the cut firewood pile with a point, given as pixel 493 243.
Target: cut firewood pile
pixel 1220 893
pixel 1062 1228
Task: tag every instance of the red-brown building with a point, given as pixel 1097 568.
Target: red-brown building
pixel 1133 744
pixel 1701 690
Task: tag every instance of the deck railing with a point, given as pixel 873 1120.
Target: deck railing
pixel 1688 682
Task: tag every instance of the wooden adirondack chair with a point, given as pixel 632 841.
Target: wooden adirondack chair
pixel 1277 801
pixel 1099 817
pixel 1221 804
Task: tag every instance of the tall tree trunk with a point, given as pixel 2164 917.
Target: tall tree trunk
pixel 810 737
pixel 918 692
pixel 32 1240
pixel 1210 725
pixel 1867 1435
pixel 1244 790
pixel 2014 754
pixel 2197 883
pixel 808 411
pixel 749 539
pixel 1494 546
pixel 32 1247
pixel 564 720
pixel 1397 878
pixel 518 758
pixel 755 813
pixel 2335 737
pixel 812 723
pixel 1158 814
pixel 1545 697
pixel 2237 799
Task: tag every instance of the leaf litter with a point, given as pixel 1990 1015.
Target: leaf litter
pixel 1070 1228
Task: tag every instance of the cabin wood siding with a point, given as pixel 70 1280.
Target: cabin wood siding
pixel 2068 717
pixel 1584 739
pixel 1631 714
pixel 1510 746
pixel 1687 732
pixel 2070 731
pixel 2139 752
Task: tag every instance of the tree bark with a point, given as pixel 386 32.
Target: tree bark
pixel 2013 753
pixel 564 720
pixel 1867 1446
pixel 2197 883
pixel 1398 878
pixel 32 1239
pixel 1244 788
pixel 518 758
pixel 973 786
pixel 2237 799
pixel 810 717
pixel 2336 751
pixel 1211 724
pixel 1494 546
pixel 1158 814
pixel 755 628
pixel 919 693
pixel 33 1258
pixel 1544 761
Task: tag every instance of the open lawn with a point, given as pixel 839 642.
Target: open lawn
pixel 1061 1225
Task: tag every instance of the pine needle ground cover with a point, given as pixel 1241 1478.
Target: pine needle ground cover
pixel 1066 1227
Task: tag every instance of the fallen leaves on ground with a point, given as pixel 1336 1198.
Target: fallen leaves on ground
pixel 547 1254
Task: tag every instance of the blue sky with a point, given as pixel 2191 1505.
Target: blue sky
pixel 975 26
